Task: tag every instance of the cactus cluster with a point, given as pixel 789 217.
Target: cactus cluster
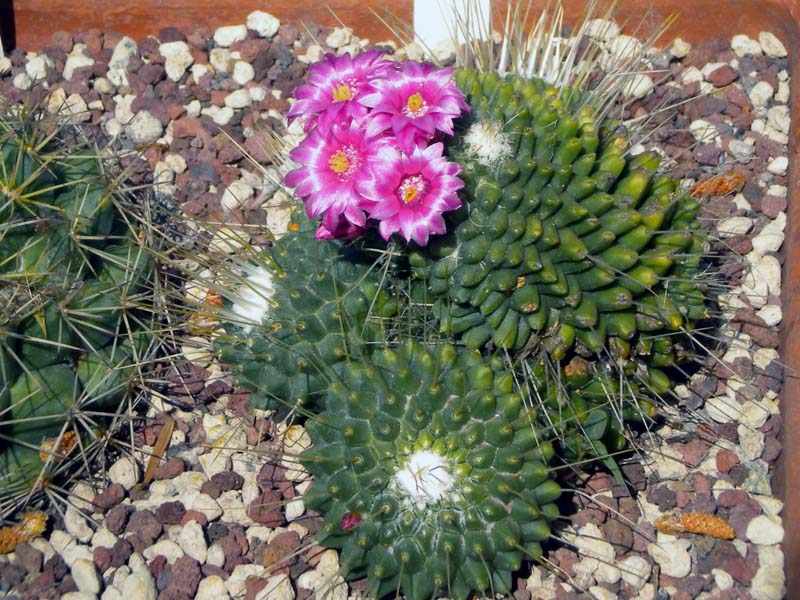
pixel 73 333
pixel 327 302
pixel 431 473
pixel 562 240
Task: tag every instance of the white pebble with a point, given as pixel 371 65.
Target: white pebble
pixel 166 548
pixel 193 542
pixel 258 93
pixel 103 537
pixel 75 60
pixel 764 531
pixel 778 166
pixel 603 30
pixel 177 58
pixel 635 571
pixel 5 65
pixel 221 115
pixel 125 471
pixel 215 461
pixel 238 99
pixel 339 37
pixel 782 95
pixel 236 195
pixel 313 54
pixel 175 162
pixel 103 86
pixel 638 86
pixel 193 108
pixel 144 128
pixel 778 190
pixel 672 556
pixel 771 45
pixel 85 575
pixel 243 72
pixel 79 596
pixel 227 36
pixel 769 239
pixel 139 585
pixel 212 588
pixel 723 409
pixel 734 226
pixel 263 23
pixel 236 582
pixel 76 525
pixel 679 48
pixel 221 60
pixel 124 51
pixel 722 579
pixel 294 509
pixel 37 66
pixel 703 131
pixel 779 118
pixel 623 48
pixel 215 556
pixel 751 443
pixel 206 505
pixel 743 45
pixel 691 75
pixel 278 587
pixel 761 94
pixel 742 150
pixel 22 81
pixel 769 581
pixel 771 314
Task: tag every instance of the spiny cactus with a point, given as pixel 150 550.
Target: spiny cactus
pixel 73 284
pixel 562 239
pixel 430 472
pixel 320 302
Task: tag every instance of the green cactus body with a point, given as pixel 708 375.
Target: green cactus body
pixel 73 296
pixel 561 240
pixel 430 472
pixel 328 302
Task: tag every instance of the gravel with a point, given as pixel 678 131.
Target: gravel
pixel 215 517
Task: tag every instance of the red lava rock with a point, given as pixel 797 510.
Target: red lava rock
pixel 169 469
pixel 694 452
pixel 228 480
pixel 664 497
pixel 170 34
pixel 157 566
pixel 722 76
pixel 185 578
pixel 726 460
pixel 772 449
pixel 170 513
pixel 93 38
pixel 707 154
pixel 193 515
pixel 117 518
pixel 211 488
pixel 102 558
pixel 772 205
pixel 120 552
pixel 109 497
pixel 62 40
pixel 29 557
pixel 144 523
pixel 210 570
pixel 253 587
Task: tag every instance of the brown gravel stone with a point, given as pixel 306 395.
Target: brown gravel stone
pixel 169 469
pixel 170 513
pixel 109 497
pixel 29 557
pixel 723 76
pixel 726 460
pixel 117 518
pixel 193 515
pixel 145 524
pixel 102 558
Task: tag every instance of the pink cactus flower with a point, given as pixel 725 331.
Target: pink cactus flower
pixel 412 191
pixel 333 163
pixel 337 228
pixel 414 103
pixel 350 520
pixel 334 86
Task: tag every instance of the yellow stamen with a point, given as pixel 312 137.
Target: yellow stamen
pixel 338 162
pixel 415 102
pixel 409 194
pixel 342 92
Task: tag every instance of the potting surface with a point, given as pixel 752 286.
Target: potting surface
pixel 221 521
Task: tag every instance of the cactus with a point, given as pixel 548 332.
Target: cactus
pixel 431 473
pixel 562 240
pixel 74 329
pixel 326 302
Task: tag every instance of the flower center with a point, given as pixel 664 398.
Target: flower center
pixel 345 161
pixel 342 92
pixel 425 478
pixel 412 189
pixel 415 106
